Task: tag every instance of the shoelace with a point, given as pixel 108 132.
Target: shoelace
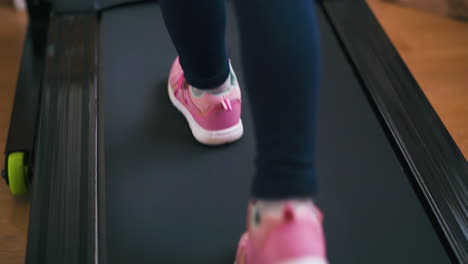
pixel 226 104
pixel 180 85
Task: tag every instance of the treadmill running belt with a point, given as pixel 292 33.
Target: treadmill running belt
pixel 172 200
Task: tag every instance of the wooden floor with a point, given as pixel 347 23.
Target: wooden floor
pixel 434 48
pixel 13 212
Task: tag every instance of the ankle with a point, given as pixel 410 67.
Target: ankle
pixel 223 88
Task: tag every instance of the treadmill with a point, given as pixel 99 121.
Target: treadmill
pixel 98 145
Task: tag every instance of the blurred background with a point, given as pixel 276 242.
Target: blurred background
pixel 430 35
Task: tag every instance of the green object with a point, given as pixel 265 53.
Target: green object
pixel 17 173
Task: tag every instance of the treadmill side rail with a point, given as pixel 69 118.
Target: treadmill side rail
pixel 63 218
pixel 434 164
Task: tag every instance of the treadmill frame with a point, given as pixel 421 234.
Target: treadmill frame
pixel 430 157
pixel 64 218
pixel 23 122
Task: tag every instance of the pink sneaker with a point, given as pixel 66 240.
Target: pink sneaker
pixel 213 118
pixel 283 233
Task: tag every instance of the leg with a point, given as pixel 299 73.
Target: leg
pixel 281 62
pixel 202 86
pixel 197 29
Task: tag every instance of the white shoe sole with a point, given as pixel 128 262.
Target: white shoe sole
pixel 207 137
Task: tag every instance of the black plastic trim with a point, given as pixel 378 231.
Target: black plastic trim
pixel 63 217
pixel 38 10
pixel 23 122
pixel 433 161
pixel 101 186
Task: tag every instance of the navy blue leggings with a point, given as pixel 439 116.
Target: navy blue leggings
pixel 280 56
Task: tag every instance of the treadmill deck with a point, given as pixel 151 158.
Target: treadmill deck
pixel 172 200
